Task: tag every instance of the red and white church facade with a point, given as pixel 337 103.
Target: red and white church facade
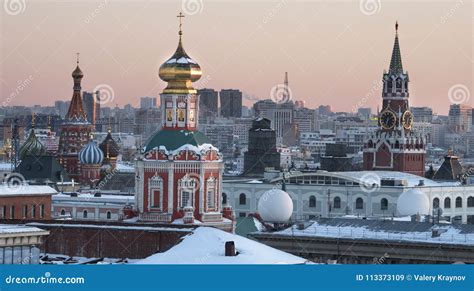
pixel 179 174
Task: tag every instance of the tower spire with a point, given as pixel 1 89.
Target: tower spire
pixel 180 17
pixel 396 60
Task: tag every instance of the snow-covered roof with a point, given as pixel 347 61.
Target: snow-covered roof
pixel 374 177
pixel 124 168
pixel 199 149
pixel 386 230
pixel 206 245
pixel 412 180
pixel 25 189
pixel 6 229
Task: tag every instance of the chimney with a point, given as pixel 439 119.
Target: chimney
pixel 230 249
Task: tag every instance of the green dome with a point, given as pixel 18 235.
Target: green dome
pixel 32 146
pixel 173 139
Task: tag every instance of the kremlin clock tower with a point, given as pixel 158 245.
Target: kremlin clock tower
pixel 395 146
pixel 179 175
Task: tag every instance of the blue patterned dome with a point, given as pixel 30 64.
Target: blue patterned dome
pixel 91 154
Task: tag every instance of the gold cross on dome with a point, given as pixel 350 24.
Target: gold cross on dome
pixel 77 58
pixel 180 17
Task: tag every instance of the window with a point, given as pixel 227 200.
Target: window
pixel 224 199
pixel 359 203
pixel 187 185
pixel 211 193
pixel 42 211
pixel 242 199
pixel 155 192
pixel 185 198
pixel 447 202
pixel 337 202
pixel 435 203
pixel 12 212
pixel 242 214
pixel 33 211
pixel 109 215
pixel 384 204
pixel 3 211
pixel 84 214
pixel 458 202
pixel 312 201
pixel 63 212
pixel 470 201
pixel 211 198
pixel 25 211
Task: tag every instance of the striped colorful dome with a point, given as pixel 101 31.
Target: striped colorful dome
pixel 91 154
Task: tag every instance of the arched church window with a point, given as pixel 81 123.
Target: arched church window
pixel 337 202
pixel 312 201
pixel 359 203
pixel 242 199
pixel 109 215
pixel 63 212
pixel 435 203
pixel 470 201
pixel 383 204
pixel 458 202
pixel 224 198
pixel 84 214
pixel 447 202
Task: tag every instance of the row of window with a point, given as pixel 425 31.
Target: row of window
pixel 337 203
pixel 312 202
pixel 360 202
pixel 457 202
pixel 85 214
pixel 8 212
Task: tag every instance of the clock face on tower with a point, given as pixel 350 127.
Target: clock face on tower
pixel 407 120
pixel 387 119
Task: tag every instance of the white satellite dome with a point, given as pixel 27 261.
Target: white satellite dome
pixel 275 205
pixel 413 202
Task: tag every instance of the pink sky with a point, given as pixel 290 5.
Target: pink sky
pixel 333 51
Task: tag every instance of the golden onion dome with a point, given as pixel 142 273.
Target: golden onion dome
pixel 180 71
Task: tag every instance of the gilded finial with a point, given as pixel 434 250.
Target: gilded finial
pixel 77 59
pixel 180 17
